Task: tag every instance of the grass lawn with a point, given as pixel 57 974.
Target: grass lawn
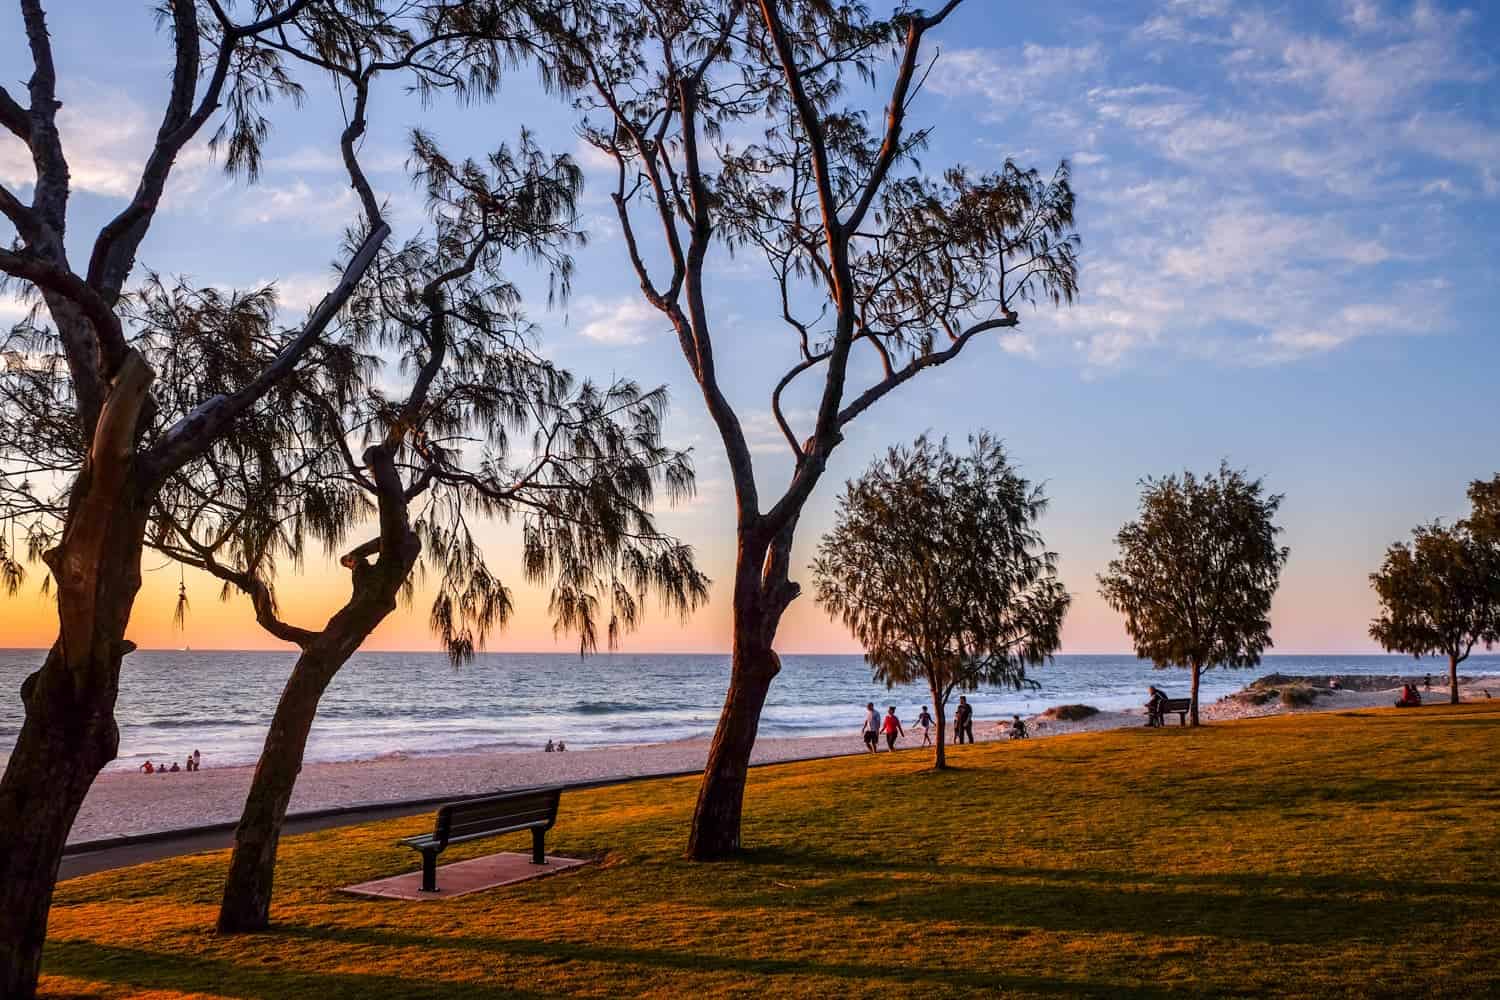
pixel 1344 854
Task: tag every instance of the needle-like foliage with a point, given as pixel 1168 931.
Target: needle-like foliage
pixel 1197 571
pixel 1440 593
pixel 936 565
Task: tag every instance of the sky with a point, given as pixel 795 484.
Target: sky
pixel 1289 216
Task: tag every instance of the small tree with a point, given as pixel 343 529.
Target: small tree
pixel 935 564
pixel 1197 571
pixel 1440 594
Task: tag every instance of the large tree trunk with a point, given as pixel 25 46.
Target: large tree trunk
pixel 762 593
pixel 1452 679
pixel 1193 708
pixel 68 736
pixel 716 820
pixel 940 760
pixel 246 904
pixel 69 733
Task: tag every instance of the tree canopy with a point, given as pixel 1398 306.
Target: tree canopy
pixel 1197 570
pixel 936 565
pixel 1440 592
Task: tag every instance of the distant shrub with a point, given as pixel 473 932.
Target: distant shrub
pixel 1260 696
pixel 1300 695
pixel 1070 713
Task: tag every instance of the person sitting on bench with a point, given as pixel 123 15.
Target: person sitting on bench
pixel 1154 705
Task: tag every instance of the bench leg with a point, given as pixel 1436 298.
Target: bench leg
pixel 429 871
pixel 538 847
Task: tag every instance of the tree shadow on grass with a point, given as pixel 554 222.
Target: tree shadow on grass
pixel 676 959
pixel 1272 908
pixel 154 970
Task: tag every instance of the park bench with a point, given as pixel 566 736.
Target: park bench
pixel 533 809
pixel 1170 705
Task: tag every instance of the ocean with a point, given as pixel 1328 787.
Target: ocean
pixel 381 703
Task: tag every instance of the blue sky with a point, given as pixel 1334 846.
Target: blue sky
pixel 1288 213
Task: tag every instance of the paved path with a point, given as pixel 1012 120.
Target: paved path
pixel 99 857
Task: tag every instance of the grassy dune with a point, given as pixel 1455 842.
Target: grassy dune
pixel 1337 854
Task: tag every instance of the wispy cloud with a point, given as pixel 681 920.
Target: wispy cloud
pixel 1277 200
pixel 620 322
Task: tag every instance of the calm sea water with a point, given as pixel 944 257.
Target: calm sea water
pixel 382 703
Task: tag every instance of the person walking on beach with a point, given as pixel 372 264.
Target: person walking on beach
pixel 925 722
pixel 892 728
pixel 870 731
pixel 963 721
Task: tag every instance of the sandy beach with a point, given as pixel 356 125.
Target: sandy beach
pixel 124 803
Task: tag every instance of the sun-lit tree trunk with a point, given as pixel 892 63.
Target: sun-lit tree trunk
pixel 70 733
pixel 940 712
pixel 754 665
pixel 1193 708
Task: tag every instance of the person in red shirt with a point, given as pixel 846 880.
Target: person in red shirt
pixel 892 728
pixel 147 768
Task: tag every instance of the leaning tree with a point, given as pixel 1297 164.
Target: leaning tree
pixel 865 251
pixel 936 565
pixel 481 427
pixel 86 448
pixel 1440 593
pixel 1197 571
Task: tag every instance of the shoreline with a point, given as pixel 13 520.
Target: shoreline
pixel 127 803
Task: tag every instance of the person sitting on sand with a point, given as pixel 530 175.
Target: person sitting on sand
pixel 869 730
pixel 1017 728
pixel 549 748
pixel 924 721
pixel 1410 697
pixel 147 768
pixel 174 768
pixel 561 746
pixel 892 728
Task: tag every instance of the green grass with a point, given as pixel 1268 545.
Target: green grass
pixel 1336 854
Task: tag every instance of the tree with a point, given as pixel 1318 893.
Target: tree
pixel 1440 595
pixel 1196 573
pixel 473 384
pixel 87 449
pixel 863 248
pixel 935 564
